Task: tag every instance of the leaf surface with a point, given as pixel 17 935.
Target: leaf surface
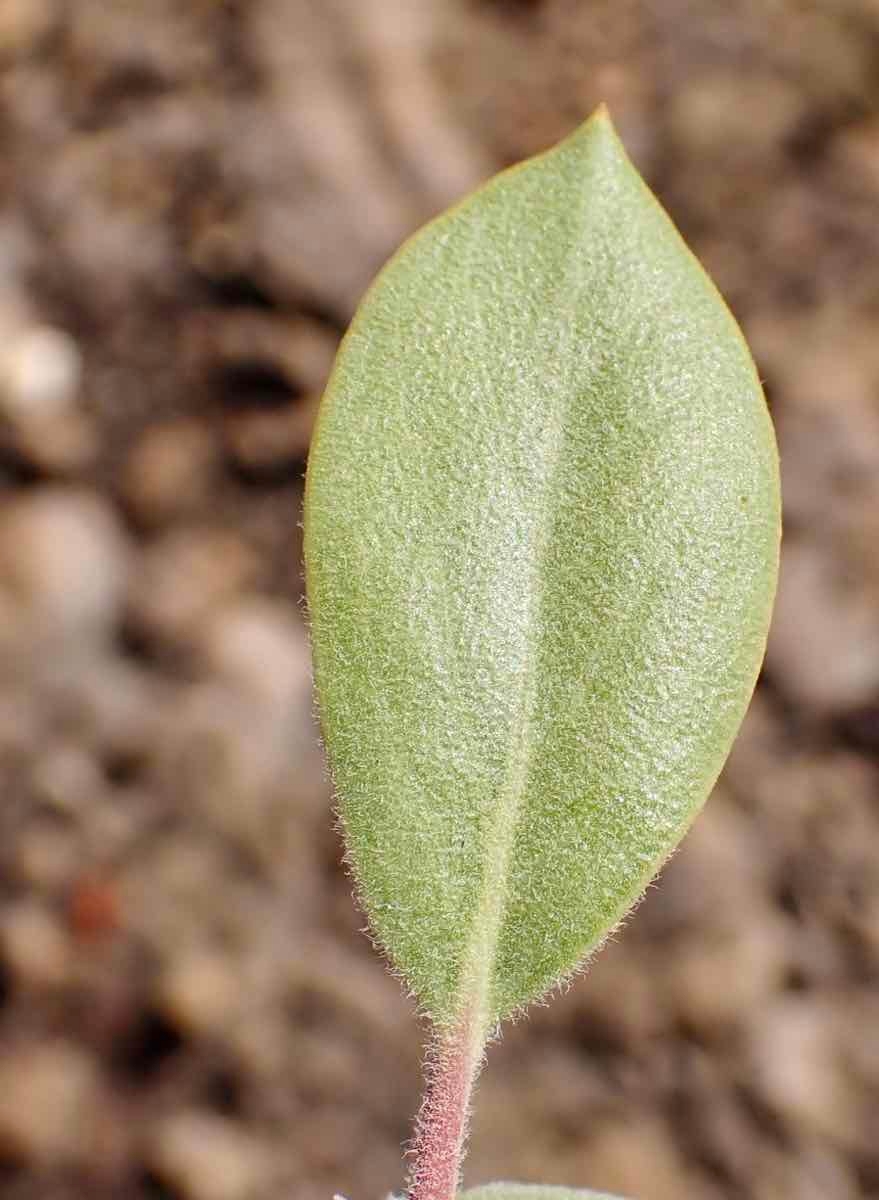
pixel 541 539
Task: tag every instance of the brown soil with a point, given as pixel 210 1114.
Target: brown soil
pixel 193 196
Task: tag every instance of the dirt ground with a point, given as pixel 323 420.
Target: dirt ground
pixel 193 196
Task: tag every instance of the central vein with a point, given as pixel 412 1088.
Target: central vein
pixel 480 958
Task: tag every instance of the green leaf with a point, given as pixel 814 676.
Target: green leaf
pixel 541 537
pixel 530 1191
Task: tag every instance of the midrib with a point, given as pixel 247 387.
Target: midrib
pixel 480 958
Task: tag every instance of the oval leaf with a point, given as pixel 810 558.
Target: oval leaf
pixel 542 524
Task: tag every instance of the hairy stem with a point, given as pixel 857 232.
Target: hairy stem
pixel 441 1129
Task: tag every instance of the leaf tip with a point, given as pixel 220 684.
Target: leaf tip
pixel 598 132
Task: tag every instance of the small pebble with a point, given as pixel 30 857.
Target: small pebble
pixel 824 641
pixel 63 568
pixel 67 778
pixel 201 992
pixel 636 1157
pixel 93 908
pixel 716 984
pixel 856 154
pixel 170 471
pixel 46 855
pixel 184 577
pixel 210 1158
pixel 40 372
pixel 23 23
pixel 34 945
pixel 259 645
pixel 48 1102
pixel 55 446
pixel 797 1062
pixel 714 113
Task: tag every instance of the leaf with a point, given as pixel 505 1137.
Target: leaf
pixel 541 539
pixel 530 1191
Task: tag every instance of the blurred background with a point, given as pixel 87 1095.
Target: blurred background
pixel 193 196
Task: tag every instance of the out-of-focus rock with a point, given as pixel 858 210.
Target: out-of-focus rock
pixel 228 741
pixel 115 823
pixel 34 945
pixel 807 1170
pixel 827 422
pixel 797 1062
pixel 46 855
pixel 40 372
pixel 824 644
pixel 22 723
pixel 48 1103
pixel 93 907
pixel 637 1157
pixel 824 641
pixel 859 1017
pixel 63 569
pixel 67 778
pixel 231 757
pixel 165 41
pixel 714 114
pixel 62 446
pixel 327 1069
pixel 112 704
pixel 170 471
pixel 184 577
pixel 203 895
pixel 41 422
pixel 210 1158
pixel 201 992
pixel 715 984
pixel 23 23
pixel 856 155
pixel 256 644
pixel 263 1048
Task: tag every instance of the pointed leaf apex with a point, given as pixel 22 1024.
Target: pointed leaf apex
pixel 597 134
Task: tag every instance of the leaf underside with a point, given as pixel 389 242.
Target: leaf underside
pixel 541 539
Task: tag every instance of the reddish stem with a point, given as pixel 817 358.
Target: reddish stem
pixel 441 1129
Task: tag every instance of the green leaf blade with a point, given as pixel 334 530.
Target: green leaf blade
pixel 541 542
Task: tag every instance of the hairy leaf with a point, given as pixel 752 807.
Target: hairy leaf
pixel 542 524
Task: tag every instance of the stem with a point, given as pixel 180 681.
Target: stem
pixel 441 1128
